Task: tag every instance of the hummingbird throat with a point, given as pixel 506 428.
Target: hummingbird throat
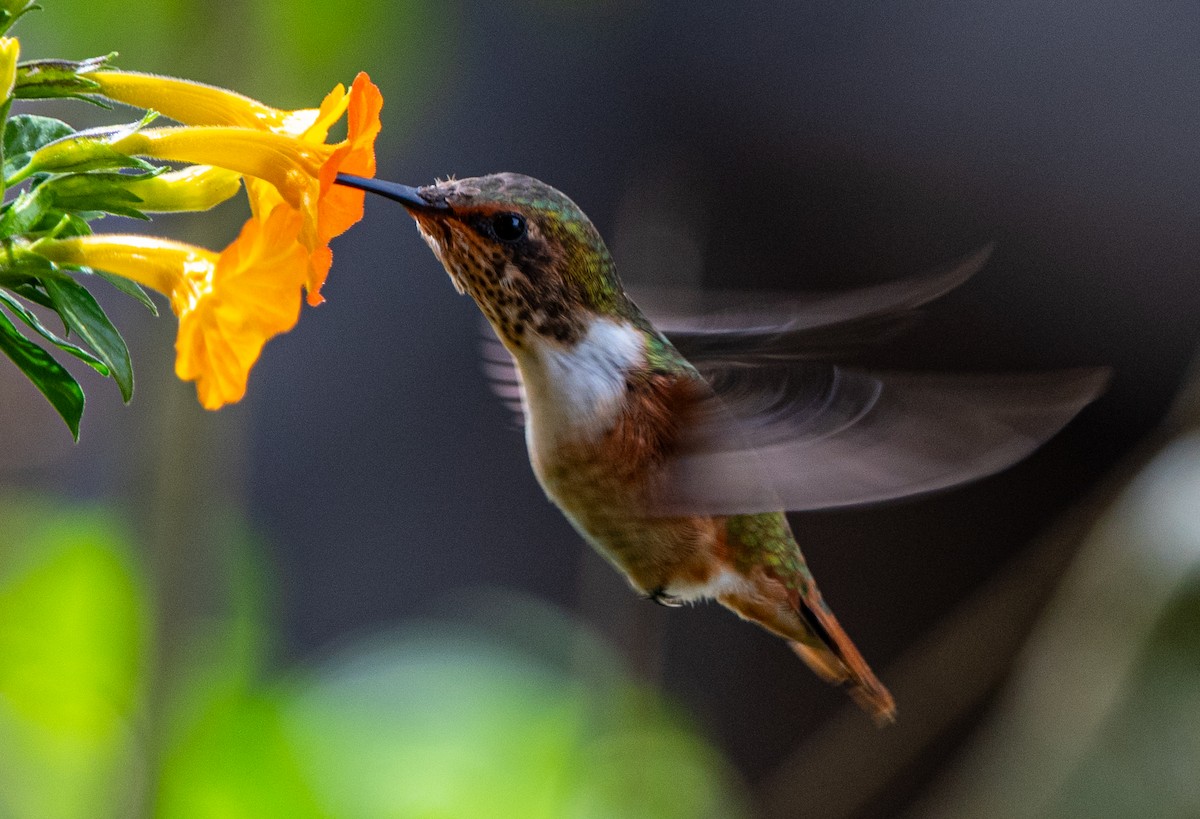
pixel 576 393
pixel 523 297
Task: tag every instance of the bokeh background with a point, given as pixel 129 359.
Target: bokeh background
pixel 347 596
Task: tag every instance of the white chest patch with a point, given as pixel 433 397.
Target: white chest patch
pixel 578 391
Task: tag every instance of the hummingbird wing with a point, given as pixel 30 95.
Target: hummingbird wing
pixel 815 435
pixel 754 327
pixel 734 327
pixel 783 428
pixel 501 372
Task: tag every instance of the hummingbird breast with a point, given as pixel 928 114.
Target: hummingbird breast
pixel 600 424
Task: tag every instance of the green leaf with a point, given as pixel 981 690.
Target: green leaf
pixel 18 271
pixel 31 319
pixel 102 191
pixel 22 214
pixel 25 133
pixel 31 291
pixel 129 288
pixel 82 314
pixel 45 79
pixel 60 389
pixel 28 132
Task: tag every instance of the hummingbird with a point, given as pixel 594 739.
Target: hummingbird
pixel 674 448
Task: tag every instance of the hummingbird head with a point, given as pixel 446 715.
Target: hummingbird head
pixel 526 253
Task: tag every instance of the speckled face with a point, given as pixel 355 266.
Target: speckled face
pixel 529 257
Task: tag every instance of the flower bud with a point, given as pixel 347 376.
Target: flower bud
pixel 196 187
pixel 10 51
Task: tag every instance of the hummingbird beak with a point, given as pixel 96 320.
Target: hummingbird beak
pixel 406 195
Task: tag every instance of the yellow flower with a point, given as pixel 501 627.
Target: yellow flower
pixel 300 173
pixel 229 304
pixel 330 209
pixel 192 103
pixel 10 52
pixel 290 165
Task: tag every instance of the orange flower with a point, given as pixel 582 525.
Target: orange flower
pixel 338 208
pixel 253 294
pixel 330 209
pixel 229 304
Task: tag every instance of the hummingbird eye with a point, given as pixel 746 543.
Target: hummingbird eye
pixel 508 227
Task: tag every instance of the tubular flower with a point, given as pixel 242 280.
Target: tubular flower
pixel 330 209
pixel 192 103
pixel 288 164
pixel 291 166
pixel 229 304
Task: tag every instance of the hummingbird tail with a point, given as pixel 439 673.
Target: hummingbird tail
pixel 816 636
pixel 829 652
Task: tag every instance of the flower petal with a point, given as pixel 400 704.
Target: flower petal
pixel 331 110
pixel 254 295
pixel 340 207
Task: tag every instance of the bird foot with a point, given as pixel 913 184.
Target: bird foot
pixel 661 597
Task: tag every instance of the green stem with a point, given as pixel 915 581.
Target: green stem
pixel 4 109
pixel 15 16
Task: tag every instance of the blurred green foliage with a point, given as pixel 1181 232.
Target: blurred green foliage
pixel 1145 760
pixel 288 54
pixel 73 637
pixel 438 720
pixel 441 721
pixel 1102 716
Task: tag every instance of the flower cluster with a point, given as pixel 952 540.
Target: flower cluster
pixel 229 303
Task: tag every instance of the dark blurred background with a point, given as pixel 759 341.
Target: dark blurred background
pixel 775 146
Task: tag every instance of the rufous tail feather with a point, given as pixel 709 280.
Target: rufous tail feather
pixel 835 658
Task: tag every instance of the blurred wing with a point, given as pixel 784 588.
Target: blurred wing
pixel 501 372
pixel 710 327
pixel 814 436
pixel 754 327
